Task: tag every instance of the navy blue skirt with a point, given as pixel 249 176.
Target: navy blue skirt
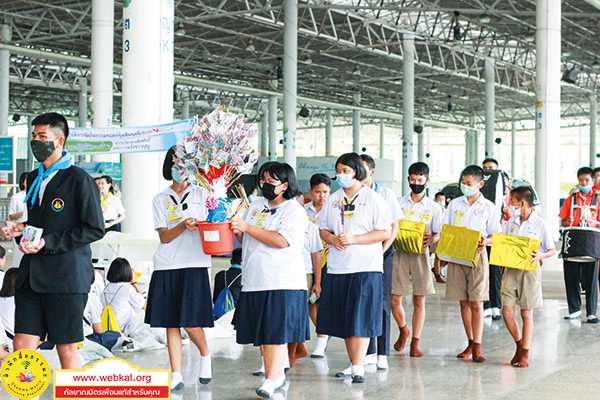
pixel 271 317
pixel 180 298
pixel 351 305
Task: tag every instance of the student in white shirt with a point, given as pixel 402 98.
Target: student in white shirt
pixel 17 212
pixel 272 309
pixel 122 293
pixel 381 344
pixel 470 286
pixel 320 189
pixel 417 207
pixel 354 221
pixel 520 286
pixel 179 293
pixel 112 207
pixel 7 301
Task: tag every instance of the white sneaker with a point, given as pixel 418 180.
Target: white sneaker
pixel 574 315
pixel 487 312
pixel 382 362
pixel 176 381
pixel 370 359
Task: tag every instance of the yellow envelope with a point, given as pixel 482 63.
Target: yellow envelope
pixel 410 237
pixel 459 245
pixel 513 251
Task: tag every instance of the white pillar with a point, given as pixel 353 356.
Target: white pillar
pixel 547 126
pixel 329 134
pixel 356 145
pixel 273 123
pixel 264 129
pixel 593 124
pixel 5 36
pixel 382 139
pixel 290 76
pixel 513 148
pixel 408 105
pixel 421 144
pixel 147 100
pixel 490 102
pixel 83 103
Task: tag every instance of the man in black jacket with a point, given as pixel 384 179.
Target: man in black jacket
pixel 55 276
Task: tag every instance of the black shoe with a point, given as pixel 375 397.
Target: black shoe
pixel 358 379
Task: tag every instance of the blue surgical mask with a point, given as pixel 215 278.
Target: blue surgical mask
pixel 585 189
pixel 178 175
pixel 344 180
pixel 467 190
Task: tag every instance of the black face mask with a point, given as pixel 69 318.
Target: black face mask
pixel 417 189
pixel 42 149
pixel 268 191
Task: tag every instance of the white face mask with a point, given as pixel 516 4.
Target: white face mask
pixel 514 210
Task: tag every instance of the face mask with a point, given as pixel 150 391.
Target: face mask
pixel 585 189
pixel 514 210
pixel 467 190
pixel 345 180
pixel 417 189
pixel 42 149
pixel 268 191
pixel 441 203
pixel 178 175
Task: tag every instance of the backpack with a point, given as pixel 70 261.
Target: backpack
pixel 108 320
pixel 225 301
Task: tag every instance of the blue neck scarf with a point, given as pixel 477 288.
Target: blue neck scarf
pixel 63 163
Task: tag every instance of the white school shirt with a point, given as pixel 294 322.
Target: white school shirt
pixel 312 244
pixel 269 268
pixel 370 213
pixel 113 208
pixel 482 216
pixel 92 312
pixel 396 213
pixel 426 210
pixel 185 251
pixel 124 301
pixel 7 313
pixel 533 227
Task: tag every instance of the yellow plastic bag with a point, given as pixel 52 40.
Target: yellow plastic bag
pixel 109 321
pixel 459 245
pixel 410 237
pixel 513 251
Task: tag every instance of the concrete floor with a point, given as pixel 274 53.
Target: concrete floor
pixel 564 361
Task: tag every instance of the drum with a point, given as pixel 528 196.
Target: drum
pixel 581 244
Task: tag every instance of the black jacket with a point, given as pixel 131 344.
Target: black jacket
pixel 71 217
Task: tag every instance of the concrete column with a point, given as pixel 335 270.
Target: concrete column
pixel 147 100
pixel 513 148
pixel 408 105
pixel 273 122
pixel 83 103
pixel 264 129
pixel 290 76
pixel 5 37
pixel 329 134
pixel 381 139
pixel 356 144
pixel 593 125
pixel 490 103
pixel 547 124
pixel 421 144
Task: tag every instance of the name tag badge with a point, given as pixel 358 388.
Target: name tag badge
pixel 459 220
pixel 175 213
pixel 261 220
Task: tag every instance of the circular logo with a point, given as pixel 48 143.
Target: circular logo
pixel 58 204
pixel 25 374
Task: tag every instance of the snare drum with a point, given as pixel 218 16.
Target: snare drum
pixel 581 244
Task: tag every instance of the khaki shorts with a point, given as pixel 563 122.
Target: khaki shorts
pixel 309 282
pixel 409 266
pixel 522 287
pixel 467 283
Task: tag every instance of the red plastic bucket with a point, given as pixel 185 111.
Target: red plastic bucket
pixel 217 238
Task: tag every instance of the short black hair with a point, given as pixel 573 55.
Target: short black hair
pixel 10 280
pixel 419 168
pixel 353 161
pixel 585 171
pixel 54 120
pixel 473 170
pixel 369 160
pixel 523 193
pixel 283 172
pixel 22 180
pixel 439 194
pixel 168 164
pixel 319 178
pixel 236 256
pixel 119 271
pixel 108 180
pixel 489 159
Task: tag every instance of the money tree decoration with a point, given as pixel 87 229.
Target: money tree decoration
pixel 217 151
